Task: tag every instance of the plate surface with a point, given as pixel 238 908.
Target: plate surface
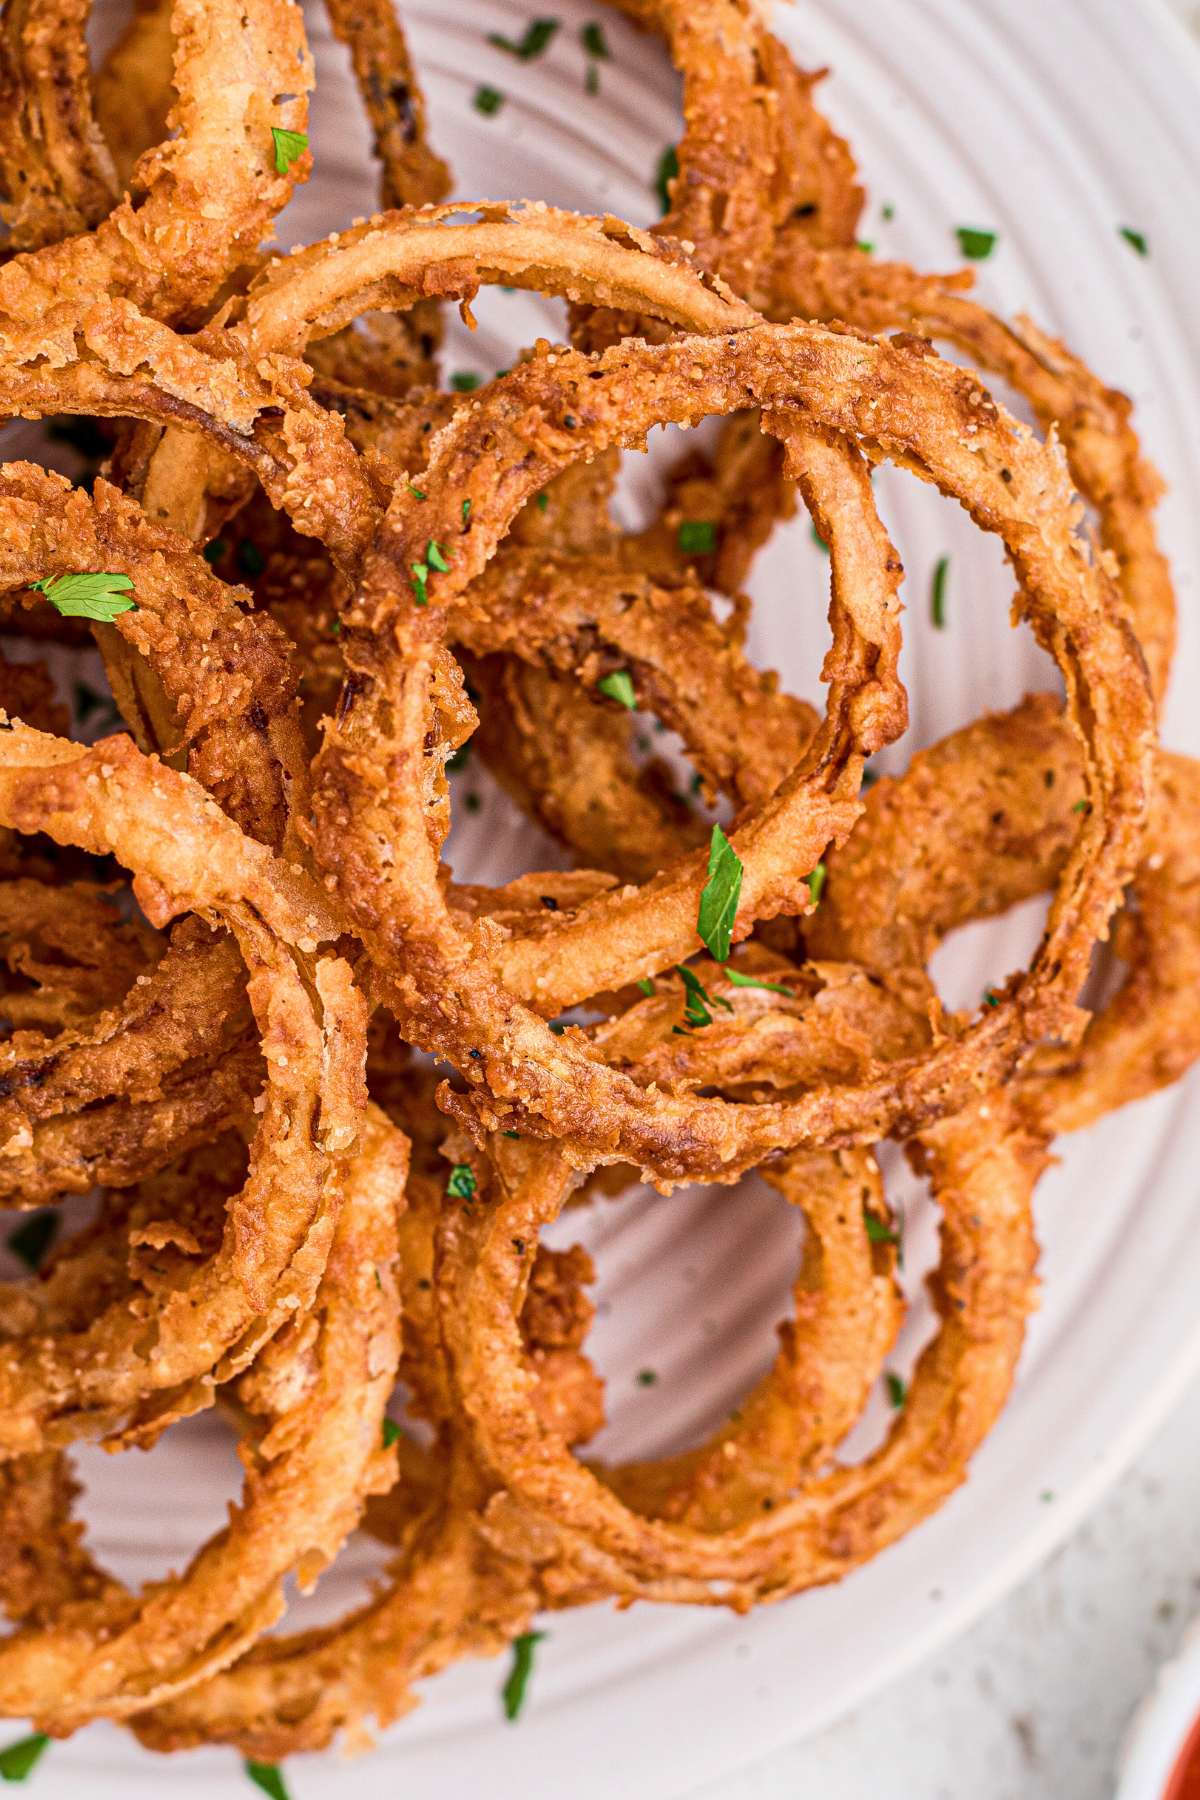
pixel 1054 127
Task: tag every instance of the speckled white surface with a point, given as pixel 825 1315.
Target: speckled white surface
pixel 1033 1701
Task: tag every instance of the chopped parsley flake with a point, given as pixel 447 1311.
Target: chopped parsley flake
pixel 619 686
pixel 751 981
pixel 878 1231
pixel 542 500
pixel 435 557
pixel 668 169
pixel 18 1760
pixel 897 1393
pixel 462 1182
pixel 974 243
pixel 990 998
pixel 89 596
pixel 888 211
pixel 487 100
pixel 719 897
pixel 516 1687
pixel 937 593
pixel 698 999
pixel 591 80
pixel 391 1433
pixel 465 381
pixel 416 492
pixel 816 883
pixel 466 511
pixel 268 1777
pixel 646 1377
pixel 535 39
pixel 696 537
pixel 1135 238
pixel 866 246
pixel 594 40
pixel 646 985
pixel 31 1239
pixel 420 577
pixel 289 146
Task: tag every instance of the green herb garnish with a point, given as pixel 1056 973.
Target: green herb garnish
pixel 937 593
pixel 102 597
pixel 668 169
pixel 619 686
pixel 878 1232
pixel 516 1686
pixel 816 883
pixel 897 1393
pixel 1136 238
pixel 646 985
pixel 289 146
pixel 646 1377
pixel 416 492
pixel 534 40
pixel 268 1777
pixel 542 500
pixel 465 381
pixel 888 211
pixel 817 539
pixel 866 246
pixel 696 537
pixel 214 550
pixel 466 511
pixel 487 100
pixel 698 999
pixel 31 1240
pixel 975 244
pixel 462 1182
pixel 772 987
pixel 594 40
pixel 719 897
pixel 435 557
pixel 18 1760
pixel 420 578
pixel 391 1433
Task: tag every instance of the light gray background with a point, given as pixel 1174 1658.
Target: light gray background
pixel 1031 1703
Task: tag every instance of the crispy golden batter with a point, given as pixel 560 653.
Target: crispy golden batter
pixel 219 933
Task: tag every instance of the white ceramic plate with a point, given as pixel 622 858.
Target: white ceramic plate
pixel 1053 126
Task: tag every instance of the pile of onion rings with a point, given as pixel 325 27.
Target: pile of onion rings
pixel 285 1109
